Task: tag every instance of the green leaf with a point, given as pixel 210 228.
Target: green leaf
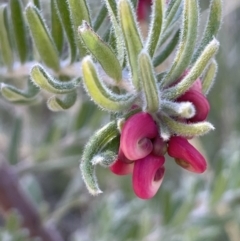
pixel 187 41
pixel 182 129
pixel 79 12
pixel 132 38
pixel 100 18
pixel 148 83
pixel 37 3
pixel 57 30
pixel 112 4
pixel 5 47
pixel 212 27
pixel 65 16
pixel 43 80
pixel 168 32
pixel 63 103
pixel 171 12
pixel 134 3
pixel 19 29
pixel 168 49
pixel 196 70
pixel 112 11
pixel 101 51
pixel 209 77
pixel 110 38
pixel 42 38
pixel 13 94
pixel 93 147
pixel 99 93
pixel 155 26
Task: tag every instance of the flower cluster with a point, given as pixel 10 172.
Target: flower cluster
pixel 142 149
pixel 152 112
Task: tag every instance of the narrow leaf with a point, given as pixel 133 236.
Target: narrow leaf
pixel 12 93
pixel 195 72
pixel 101 51
pixel 5 46
pixel 111 4
pixel 171 12
pixel 57 30
pixel 99 93
pixel 37 3
pixel 187 41
pixel 42 79
pixel 100 18
pixel 168 49
pixel 19 29
pixel 168 32
pixel 62 103
pixel 182 129
pixel 209 77
pixel 134 3
pixel 112 11
pixel 155 26
pixel 132 38
pixel 148 83
pixel 42 38
pixel 212 27
pixel 94 146
pixel 79 12
pixel 65 16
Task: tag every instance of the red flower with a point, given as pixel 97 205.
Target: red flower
pixel 122 166
pixel 200 103
pixel 195 96
pixel 137 132
pixel 186 155
pixel 143 9
pixel 147 176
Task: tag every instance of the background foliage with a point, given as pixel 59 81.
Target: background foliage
pixel 45 148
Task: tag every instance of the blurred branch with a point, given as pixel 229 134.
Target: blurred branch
pixel 12 197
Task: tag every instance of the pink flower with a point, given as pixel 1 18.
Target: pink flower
pixel 200 103
pixel 195 96
pixel 148 175
pixel 143 9
pixel 186 155
pixel 137 132
pixel 122 166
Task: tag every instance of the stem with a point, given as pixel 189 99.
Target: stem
pixel 13 197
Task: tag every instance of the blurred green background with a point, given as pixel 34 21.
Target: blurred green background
pixel 46 147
